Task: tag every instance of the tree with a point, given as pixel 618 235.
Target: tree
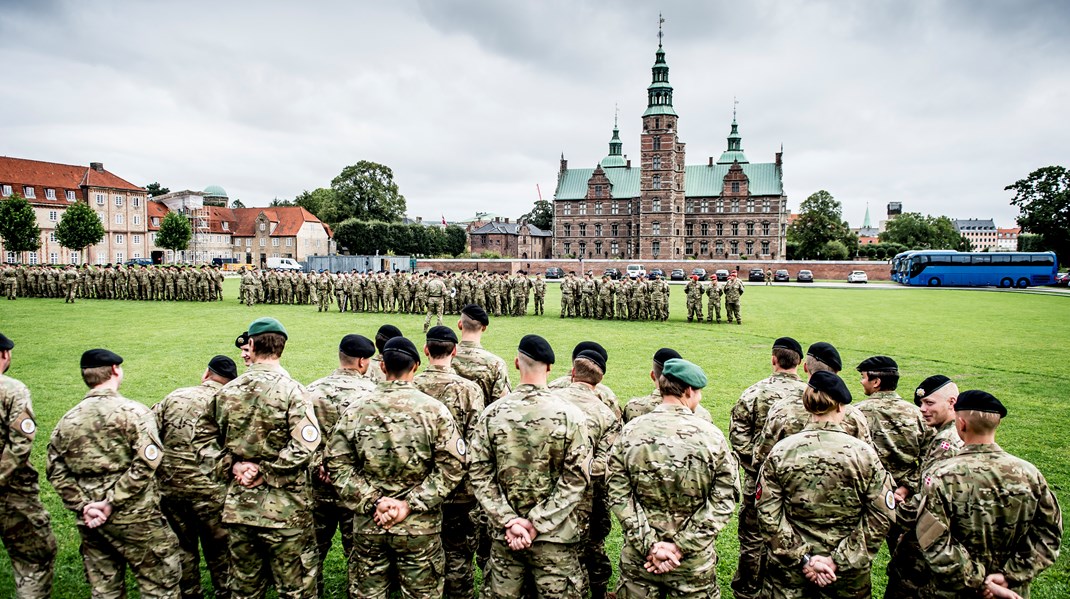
pixel 917 232
pixel 153 189
pixel 1044 201
pixel 174 232
pixel 79 227
pixel 366 191
pixel 236 203
pixel 278 202
pixel 322 202
pixel 18 225
pixel 820 221
pixel 542 215
pixel 456 240
pixel 834 250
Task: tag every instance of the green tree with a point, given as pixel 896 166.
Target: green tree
pixel 153 189
pixel 236 203
pixel 834 250
pixel 322 202
pixel 456 240
pixel 1043 198
pixel 175 232
pixel 366 191
pixel 277 202
pixel 917 231
pixel 820 221
pixel 18 225
pixel 542 215
pixel 79 227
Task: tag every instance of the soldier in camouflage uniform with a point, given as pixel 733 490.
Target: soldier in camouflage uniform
pixel 394 457
pixel 70 284
pixel 25 525
pixel 673 485
pixel 713 290
pixel 248 287
pixel 324 291
pixel 464 399
pixel 532 498
pixel 693 293
pixel 331 396
pixel 638 406
pixel 436 291
pixel 10 277
pixel 986 517
pixel 539 287
pixel 733 291
pixel 101 460
pixel 192 499
pixel 604 393
pixel 475 363
pixel 267 433
pixel 824 503
pixel 748 419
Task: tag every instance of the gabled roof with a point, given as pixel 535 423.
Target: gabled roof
pixel 700 180
pixel 154 209
pixel 499 228
pixel 288 220
pixel 38 174
pixel 975 224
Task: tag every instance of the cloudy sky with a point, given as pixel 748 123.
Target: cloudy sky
pixel 936 104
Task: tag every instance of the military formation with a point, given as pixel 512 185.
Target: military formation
pixel 426 459
pixel 173 282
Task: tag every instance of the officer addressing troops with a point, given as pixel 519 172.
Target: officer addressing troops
pixel 25 525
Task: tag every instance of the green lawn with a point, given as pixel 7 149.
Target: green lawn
pixel 1006 343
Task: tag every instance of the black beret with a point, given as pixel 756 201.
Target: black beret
pixel 5 343
pixel 476 313
pixel 788 343
pixel 664 354
pixel 388 331
pixel 100 357
pixel 224 367
pixel 589 345
pixel 537 349
pixel 441 333
pixel 594 356
pixel 980 401
pixel 241 340
pixel 878 364
pixel 832 384
pixel 357 346
pixel 403 346
pixel 824 352
pixel 930 386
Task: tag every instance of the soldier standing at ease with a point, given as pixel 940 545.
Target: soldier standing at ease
pixel 475 363
pixel 540 294
pixel 267 432
pixel 393 458
pixel 673 496
pixel 604 393
pixel 693 293
pixel 192 499
pixel 531 498
pixel 733 291
pixel 768 276
pixel 375 367
pixel 102 458
pixel 638 406
pixel 987 518
pixel 25 525
pixel 713 290
pixel 436 291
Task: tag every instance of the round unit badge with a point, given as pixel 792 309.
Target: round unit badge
pixel 28 426
pixel 310 433
pixel 461 447
pixel 889 500
pixel 152 452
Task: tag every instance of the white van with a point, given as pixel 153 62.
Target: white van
pixel 636 271
pixel 283 264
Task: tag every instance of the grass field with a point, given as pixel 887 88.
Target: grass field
pixel 1006 343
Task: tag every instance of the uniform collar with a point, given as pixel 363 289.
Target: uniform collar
pixel 672 408
pixel 99 392
pixel 436 368
pixel 824 426
pixel 212 384
pixel 981 448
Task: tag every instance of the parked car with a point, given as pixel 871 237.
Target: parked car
pixel 756 275
pixel 804 276
pixel 554 273
pixel 613 273
pixel 1063 280
pixel 677 274
pixel 721 274
pixel 858 276
pixel 781 276
pixel 635 271
pixel 284 264
pixel 700 273
pixel 138 262
pixel 655 273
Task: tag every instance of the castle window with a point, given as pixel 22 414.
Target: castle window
pixel 690 206
pixel 705 229
pixel 735 230
pixel 704 247
pixel 765 228
pixel 765 248
pixel 765 205
pixel 598 208
pixel 598 248
pixel 583 208
pixel 734 247
pixel 655 205
pixel 750 248
pixel 720 229
pixel 657 163
pixel 614 229
pixel 750 205
pixel 735 186
pixel 750 228
pixel 568 230
pixel 718 247
pixel 655 248
pixel 598 229
pixel 657 142
pixel 720 205
pixel 583 230
pixel 614 248
pixel 655 181
pixel 583 247
pixel 655 228
pixel 597 191
pixel 568 209
pixel 689 247
pixel 657 123
pixel 735 205
pixel 568 248
pixel 613 208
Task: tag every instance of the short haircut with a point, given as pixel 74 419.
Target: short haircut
pixel 586 371
pixel 96 375
pixel 527 363
pixel 398 363
pixel 814 365
pixel 889 380
pixel 439 349
pixel 346 359
pixel 980 422
pixel 470 324
pixel 268 345
pixel 818 402
pixel 786 358
pixel 669 386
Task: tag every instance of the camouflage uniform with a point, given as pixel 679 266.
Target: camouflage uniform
pixel 265 417
pixel 714 303
pixel 25 525
pixel 436 289
pixel 398 442
pixel 530 459
pixel 107 448
pixel 638 406
pixel 11 282
pixel 540 294
pixel 672 479
pixel 464 399
pixel 375 371
pixel 604 393
pixel 567 301
pixel 192 499
pixel 733 291
pixel 748 418
pixel 693 291
pixel 788 417
pixel 248 288
pixel 823 492
pixel 985 511
pixel 486 369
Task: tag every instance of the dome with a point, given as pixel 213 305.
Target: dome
pixel 215 191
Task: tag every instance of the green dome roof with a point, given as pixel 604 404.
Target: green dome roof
pixel 215 191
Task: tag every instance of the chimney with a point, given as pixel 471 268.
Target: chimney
pixel 779 158
pixel 711 161
pixel 507 220
pixel 97 166
pixel 628 164
pixel 564 163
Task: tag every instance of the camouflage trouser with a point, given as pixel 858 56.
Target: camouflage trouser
pixel 566 306
pixel 747 581
pixel 72 292
pixel 593 543
pixel 732 308
pixel 416 560
pixel 694 309
pixel 605 308
pixel 325 301
pixel 434 307
pixel 554 567
pixel 539 300
pixel 622 308
pixel 250 294
pixel 459 543
pixel 199 525
pixel 713 306
pixel 330 517
pixel 587 306
pixel 789 583
pixel 286 555
pixel 27 534
pixel 150 549
pixel 694 578
pixel 908 571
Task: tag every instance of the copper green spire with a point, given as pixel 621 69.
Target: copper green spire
pixel 865 221
pixel 734 153
pixel 659 93
pixel 616 157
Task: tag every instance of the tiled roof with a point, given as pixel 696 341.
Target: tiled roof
pixel 154 209
pixel 20 172
pixel 500 228
pixel 700 180
pixel 288 220
pixel 975 224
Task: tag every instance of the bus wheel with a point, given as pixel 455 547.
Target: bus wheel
pixel 1006 283
pixel 1023 283
pixel 934 282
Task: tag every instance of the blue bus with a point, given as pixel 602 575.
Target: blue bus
pixel 899 265
pixel 936 268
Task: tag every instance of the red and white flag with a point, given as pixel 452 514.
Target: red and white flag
pixel 444 219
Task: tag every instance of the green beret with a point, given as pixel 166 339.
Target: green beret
pixel 267 325
pixel 685 372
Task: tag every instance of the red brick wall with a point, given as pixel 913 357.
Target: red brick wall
pixel 876 270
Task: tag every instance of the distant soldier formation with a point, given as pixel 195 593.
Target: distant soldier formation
pixel 173 282
pixel 426 460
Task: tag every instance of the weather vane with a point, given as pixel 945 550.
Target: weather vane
pixel 735 103
pixel 661 20
pixel 616 113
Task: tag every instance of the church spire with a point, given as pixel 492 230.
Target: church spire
pixel 615 157
pixel 734 153
pixel 865 221
pixel 659 93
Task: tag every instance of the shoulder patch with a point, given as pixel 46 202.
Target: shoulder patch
pixel 25 424
pixel 929 529
pixel 889 500
pixel 462 449
pixel 307 434
pixel 151 453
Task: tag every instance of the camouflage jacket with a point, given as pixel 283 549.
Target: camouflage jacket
pixel 397 442
pixel 943 443
pixel 486 369
pixel 732 290
pixel 714 291
pixel 899 435
pixel 331 396
pixel 375 371
pixel 693 290
pixel 824 492
pixel 638 406
pixel 603 426
pixel 266 417
pixel 672 478
pixel 181 421
pixel 530 458
pixel 985 511
pixel 788 417
pixel 750 413
pixel 16 440
pixel 106 448
pixel 464 399
pixel 605 394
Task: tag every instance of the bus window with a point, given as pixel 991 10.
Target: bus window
pixel 963 259
pixel 1001 260
pixel 985 260
pixel 1021 259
